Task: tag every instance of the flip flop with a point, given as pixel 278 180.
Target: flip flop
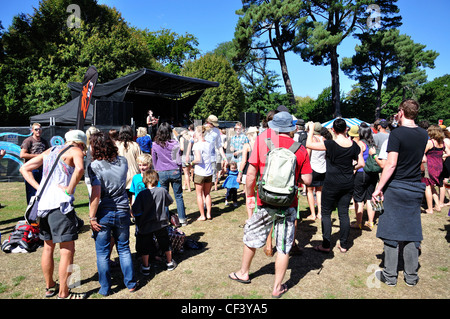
pixel 236 278
pixel 284 289
pixel 52 291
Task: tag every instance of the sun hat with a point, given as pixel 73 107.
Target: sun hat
pixel 317 128
pixel 252 129
pixel 282 122
pixel 76 136
pixel 213 120
pixel 354 131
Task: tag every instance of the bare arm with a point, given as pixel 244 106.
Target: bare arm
pixel 27 169
pixel 317 145
pixel 93 206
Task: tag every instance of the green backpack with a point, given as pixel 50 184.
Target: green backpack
pixel 276 185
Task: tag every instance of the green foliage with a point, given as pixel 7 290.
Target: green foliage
pixel 42 54
pixel 329 23
pixel 225 101
pixel 389 58
pixel 435 100
pixel 319 110
pixel 268 25
pixel 171 49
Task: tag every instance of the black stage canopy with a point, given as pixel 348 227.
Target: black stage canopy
pixel 147 89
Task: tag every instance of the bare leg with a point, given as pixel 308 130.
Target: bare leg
pixel 47 263
pixel 199 192
pixel 67 250
pixel 281 264
pixel 208 202
pixel 310 198
pixel 247 257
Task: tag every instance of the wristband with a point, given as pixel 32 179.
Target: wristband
pixel 92 218
pixel 251 202
pixel 374 156
pixel 65 191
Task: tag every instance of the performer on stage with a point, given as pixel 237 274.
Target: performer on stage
pixel 152 123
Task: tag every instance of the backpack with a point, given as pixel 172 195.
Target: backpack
pixel 302 137
pixel 24 239
pixel 276 186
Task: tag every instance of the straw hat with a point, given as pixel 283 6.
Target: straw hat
pixel 354 131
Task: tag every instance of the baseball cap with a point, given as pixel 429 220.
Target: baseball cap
pixel 76 136
pixel 213 120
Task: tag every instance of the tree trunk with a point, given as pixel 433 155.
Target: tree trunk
pixel 286 78
pixel 335 84
pixel 379 90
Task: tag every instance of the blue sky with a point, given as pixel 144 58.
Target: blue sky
pixel 213 22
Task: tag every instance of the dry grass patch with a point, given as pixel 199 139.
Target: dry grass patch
pixel 202 274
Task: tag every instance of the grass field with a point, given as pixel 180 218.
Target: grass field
pixel 202 274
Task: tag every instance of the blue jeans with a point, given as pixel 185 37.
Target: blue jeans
pixel 117 225
pixel 174 177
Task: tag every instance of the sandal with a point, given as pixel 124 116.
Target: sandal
pixel 368 225
pixel 284 289
pixel 52 291
pixel 74 295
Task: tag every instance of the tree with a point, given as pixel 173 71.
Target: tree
pixel 330 22
pixel 42 54
pixel 388 55
pixel 171 49
pixel 225 101
pixel 269 24
pixel 435 100
pixel 259 83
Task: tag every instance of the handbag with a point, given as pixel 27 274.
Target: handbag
pixel 174 220
pixel 372 165
pixel 31 213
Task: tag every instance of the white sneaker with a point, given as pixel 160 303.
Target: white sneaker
pixel 172 265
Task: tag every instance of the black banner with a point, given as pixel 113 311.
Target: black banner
pixel 89 82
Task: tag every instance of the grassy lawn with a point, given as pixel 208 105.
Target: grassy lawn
pixel 202 274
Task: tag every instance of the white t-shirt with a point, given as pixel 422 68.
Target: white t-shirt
pixel 204 168
pixel 383 154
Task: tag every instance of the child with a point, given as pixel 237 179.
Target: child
pixel 137 185
pixel 231 184
pixel 149 210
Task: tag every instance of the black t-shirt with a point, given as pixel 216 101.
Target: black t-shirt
pixel 410 145
pixel 149 209
pixel 340 164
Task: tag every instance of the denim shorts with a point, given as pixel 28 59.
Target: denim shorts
pixel 58 227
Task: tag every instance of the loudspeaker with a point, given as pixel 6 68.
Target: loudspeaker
pixel 249 119
pixel 113 113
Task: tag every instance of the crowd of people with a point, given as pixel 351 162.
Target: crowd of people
pixel 128 177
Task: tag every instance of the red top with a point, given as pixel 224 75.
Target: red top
pixel 260 150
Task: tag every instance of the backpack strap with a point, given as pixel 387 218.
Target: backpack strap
pixel 269 143
pixel 294 147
